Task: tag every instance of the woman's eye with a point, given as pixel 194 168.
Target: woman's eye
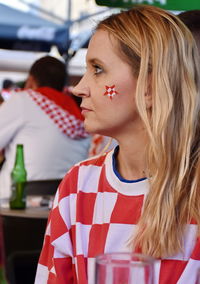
pixel 97 69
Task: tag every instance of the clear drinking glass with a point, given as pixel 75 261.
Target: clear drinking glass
pixel 124 268
pixel 198 277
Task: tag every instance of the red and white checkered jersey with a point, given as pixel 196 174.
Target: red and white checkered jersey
pixel 96 212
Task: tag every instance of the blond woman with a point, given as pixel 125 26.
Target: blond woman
pixel 142 88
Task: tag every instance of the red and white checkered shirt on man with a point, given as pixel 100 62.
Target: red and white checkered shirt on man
pixel 68 123
pixel 94 212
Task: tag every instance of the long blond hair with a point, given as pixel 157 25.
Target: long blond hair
pixel 164 56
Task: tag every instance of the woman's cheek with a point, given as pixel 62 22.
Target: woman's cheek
pixel 110 91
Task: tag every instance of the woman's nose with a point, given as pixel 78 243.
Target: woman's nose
pixel 81 90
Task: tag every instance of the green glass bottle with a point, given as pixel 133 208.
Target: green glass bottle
pixel 18 176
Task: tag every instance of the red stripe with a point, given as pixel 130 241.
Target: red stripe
pixel 82 269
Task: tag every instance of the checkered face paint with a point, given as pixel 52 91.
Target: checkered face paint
pixel 110 91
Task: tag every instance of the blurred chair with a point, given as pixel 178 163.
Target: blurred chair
pixel 42 187
pixel 23 237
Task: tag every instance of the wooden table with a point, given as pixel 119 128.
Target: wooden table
pixel 34 212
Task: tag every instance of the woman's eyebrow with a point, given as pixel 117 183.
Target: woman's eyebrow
pixel 94 60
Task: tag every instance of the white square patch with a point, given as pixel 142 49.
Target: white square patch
pixel 118 237
pixel 63 246
pixel 104 204
pixel 88 179
pixel 82 238
pixel 67 208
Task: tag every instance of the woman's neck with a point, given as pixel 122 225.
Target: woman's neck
pixel 131 158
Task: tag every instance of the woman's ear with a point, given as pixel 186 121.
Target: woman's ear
pixel 148 97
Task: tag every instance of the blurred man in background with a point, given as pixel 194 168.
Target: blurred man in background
pixel 46 121
pixel 7 87
pixel 192 20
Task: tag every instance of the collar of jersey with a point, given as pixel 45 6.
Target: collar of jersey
pixel 127 187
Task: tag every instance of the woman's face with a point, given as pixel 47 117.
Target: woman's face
pixel 107 115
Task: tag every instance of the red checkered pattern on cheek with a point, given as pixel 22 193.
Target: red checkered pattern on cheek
pixel 110 91
pixel 67 123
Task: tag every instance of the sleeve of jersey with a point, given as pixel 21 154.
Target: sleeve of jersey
pixel 55 264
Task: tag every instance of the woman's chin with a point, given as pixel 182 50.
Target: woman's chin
pixel 91 129
pixel 88 128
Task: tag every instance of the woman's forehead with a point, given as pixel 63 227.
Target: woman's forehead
pixel 101 44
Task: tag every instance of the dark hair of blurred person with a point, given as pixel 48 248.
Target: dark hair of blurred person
pixel 7 87
pixel 191 19
pixel 47 71
pixel 7 83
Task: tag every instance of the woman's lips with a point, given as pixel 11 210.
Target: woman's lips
pixel 85 110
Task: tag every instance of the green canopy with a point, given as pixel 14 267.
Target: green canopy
pixel 177 5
